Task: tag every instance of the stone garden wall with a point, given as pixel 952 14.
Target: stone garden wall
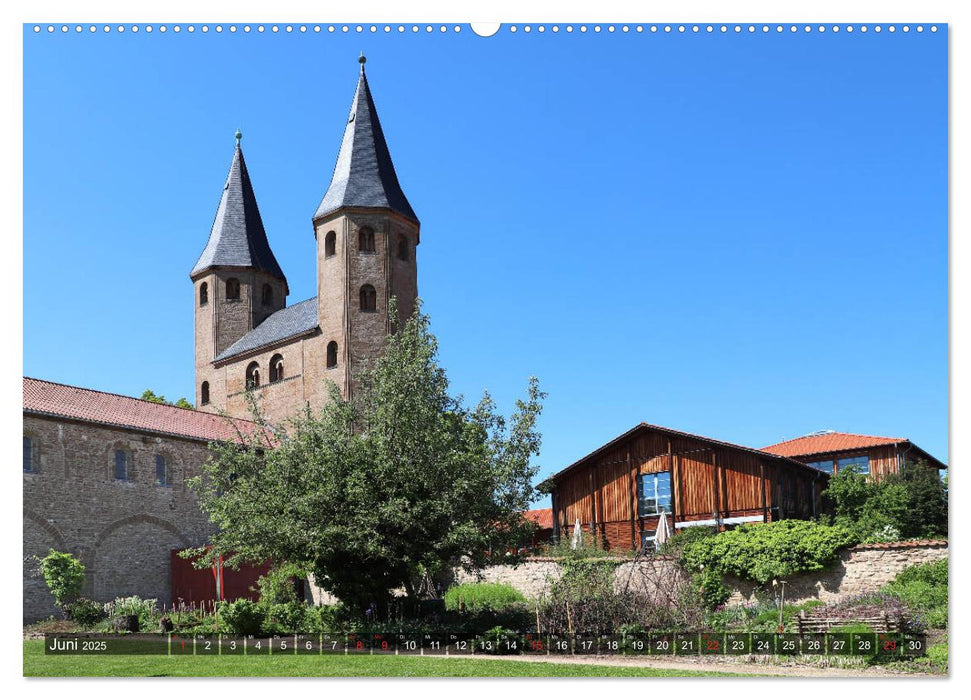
pixel 860 569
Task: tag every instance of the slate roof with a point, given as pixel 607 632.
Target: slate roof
pixel 828 442
pixel 364 175
pixel 61 400
pixel 288 322
pixel 238 238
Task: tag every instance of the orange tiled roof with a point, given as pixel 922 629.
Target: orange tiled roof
pixel 828 442
pixel 50 398
pixel 541 516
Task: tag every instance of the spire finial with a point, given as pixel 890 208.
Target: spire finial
pixel 239 137
pixel 362 60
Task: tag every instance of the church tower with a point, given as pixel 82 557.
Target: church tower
pixel 238 282
pixel 367 238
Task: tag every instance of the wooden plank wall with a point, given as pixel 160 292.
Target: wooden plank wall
pixel 705 480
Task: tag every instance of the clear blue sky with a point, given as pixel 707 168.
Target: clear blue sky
pixel 742 236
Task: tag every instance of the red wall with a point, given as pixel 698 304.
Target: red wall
pixel 199 585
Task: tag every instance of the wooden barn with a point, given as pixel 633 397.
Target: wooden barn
pixel 619 491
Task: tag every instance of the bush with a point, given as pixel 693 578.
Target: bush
pixel 683 537
pixel 476 597
pixel 938 656
pixel 243 617
pixel 286 618
pixel 279 584
pixel 86 613
pixel 326 618
pixel 762 552
pixel 900 506
pixel 144 609
pixel 64 576
pixel 924 589
pixel 709 585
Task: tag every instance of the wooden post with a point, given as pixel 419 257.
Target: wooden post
pixel 765 512
pixel 714 485
pixel 632 488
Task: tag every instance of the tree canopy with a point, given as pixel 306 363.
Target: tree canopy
pixel 371 493
pixel 149 395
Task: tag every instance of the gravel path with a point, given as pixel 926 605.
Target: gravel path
pixel 723 666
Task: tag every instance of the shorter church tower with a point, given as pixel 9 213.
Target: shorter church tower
pixel 238 282
pixel 367 237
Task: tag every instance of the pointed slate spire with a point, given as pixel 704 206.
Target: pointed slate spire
pixel 238 238
pixel 364 175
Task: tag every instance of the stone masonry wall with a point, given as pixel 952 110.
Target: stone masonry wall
pixel 861 569
pixel 122 531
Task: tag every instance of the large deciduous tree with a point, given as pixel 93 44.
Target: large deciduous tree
pixel 371 493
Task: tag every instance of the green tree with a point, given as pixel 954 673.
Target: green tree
pixel 906 505
pixel 64 576
pixel 369 493
pixel 149 395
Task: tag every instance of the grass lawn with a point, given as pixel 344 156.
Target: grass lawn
pixel 37 664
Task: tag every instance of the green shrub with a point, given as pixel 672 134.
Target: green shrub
pixel 144 609
pixel 937 654
pixel 279 584
pixel 923 588
pixel 64 576
pixel 242 617
pixel 86 613
pixel 713 592
pixel 683 537
pixel 476 597
pixel 286 618
pixel 327 618
pixel 763 552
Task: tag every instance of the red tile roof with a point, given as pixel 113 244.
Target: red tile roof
pixel 828 442
pixel 48 398
pixel 541 516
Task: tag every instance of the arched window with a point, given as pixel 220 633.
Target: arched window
pixel 203 294
pixel 204 393
pixel 232 289
pixel 30 455
pixel 365 240
pixel 369 298
pixel 276 368
pixel 163 471
pixel 330 244
pixel 402 248
pixel 122 464
pixel 267 295
pixel 331 354
pixel 253 375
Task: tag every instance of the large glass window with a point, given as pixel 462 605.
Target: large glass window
pixel 654 494
pixel 825 465
pixel 860 462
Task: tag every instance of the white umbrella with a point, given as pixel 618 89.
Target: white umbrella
pixel 577 535
pixel 663 533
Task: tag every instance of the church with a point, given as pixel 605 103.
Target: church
pixel 104 475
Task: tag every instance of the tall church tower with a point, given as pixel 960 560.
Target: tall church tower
pixel 367 238
pixel 238 282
